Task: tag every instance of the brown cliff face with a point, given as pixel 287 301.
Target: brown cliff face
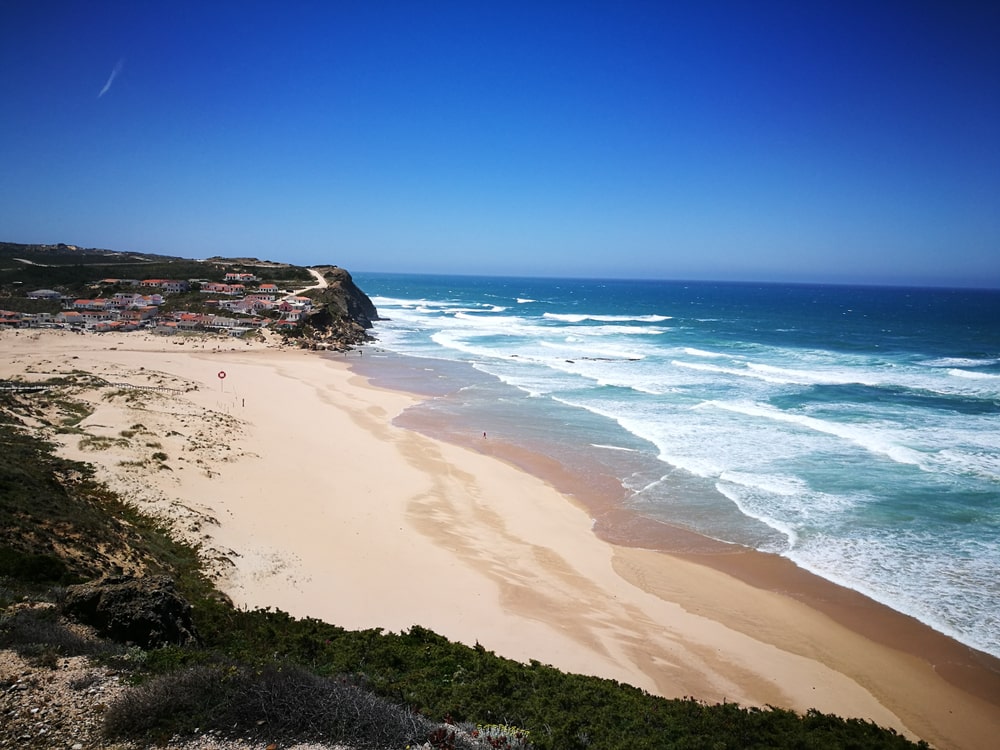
pixel 343 313
pixel 344 296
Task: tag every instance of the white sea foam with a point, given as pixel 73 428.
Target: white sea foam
pixel 870 439
pixel 786 499
pixel 488 324
pixel 579 318
pixel 473 315
pixel 734 371
pixel 782 375
pixel 701 352
pixel 748 509
pixel 811 377
pixel 974 384
pixel 929 577
pixel 526 382
pixel 579 332
pixel 524 301
pixel 778 485
pixel 629 371
pixel 472 311
pixel 984 462
pixel 412 303
pixel 471 345
pixel 595 350
pixel 958 362
pixel 969 374
pixel 395 307
pixel 620 331
pixel 706 368
pixel 700 467
pixel 490 318
pixel 648 487
pixel 613 447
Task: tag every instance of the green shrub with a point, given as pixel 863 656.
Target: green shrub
pixel 33 568
pixel 38 632
pixel 275 701
pixel 100 442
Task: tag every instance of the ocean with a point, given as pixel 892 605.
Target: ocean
pixel 853 430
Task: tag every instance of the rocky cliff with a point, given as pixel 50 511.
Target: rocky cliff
pixel 342 314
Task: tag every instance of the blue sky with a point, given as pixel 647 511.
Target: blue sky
pixel 781 141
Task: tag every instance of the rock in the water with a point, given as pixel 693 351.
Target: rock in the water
pixel 145 611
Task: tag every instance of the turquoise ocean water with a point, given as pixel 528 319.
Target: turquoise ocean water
pixel 854 430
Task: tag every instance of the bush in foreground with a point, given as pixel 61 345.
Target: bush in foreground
pixel 275 701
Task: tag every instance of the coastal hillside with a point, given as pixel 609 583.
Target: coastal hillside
pixel 108 291
pixel 343 314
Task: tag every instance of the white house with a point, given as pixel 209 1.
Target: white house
pixel 44 294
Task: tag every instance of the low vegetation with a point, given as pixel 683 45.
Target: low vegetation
pixel 74 270
pixel 292 701
pixel 265 674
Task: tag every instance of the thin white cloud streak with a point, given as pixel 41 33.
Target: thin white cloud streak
pixel 111 78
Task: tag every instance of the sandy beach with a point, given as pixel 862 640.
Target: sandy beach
pixel 294 478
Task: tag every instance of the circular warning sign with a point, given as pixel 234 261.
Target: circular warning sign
pixel 222 374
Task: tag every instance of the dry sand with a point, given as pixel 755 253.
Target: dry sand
pixel 292 475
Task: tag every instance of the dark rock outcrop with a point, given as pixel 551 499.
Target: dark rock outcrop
pixel 343 298
pixel 145 611
pixel 342 313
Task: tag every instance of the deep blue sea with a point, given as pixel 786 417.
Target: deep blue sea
pixel 854 430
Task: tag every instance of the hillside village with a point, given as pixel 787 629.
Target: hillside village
pixel 241 302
